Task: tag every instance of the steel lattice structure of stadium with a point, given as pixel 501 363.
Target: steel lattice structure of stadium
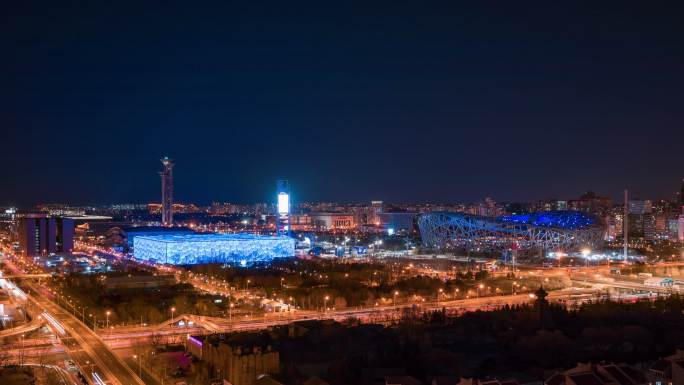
pixel 549 230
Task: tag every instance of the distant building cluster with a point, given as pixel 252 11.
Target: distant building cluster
pixel 647 221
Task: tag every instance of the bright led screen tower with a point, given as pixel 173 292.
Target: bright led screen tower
pixel 283 191
pixel 167 191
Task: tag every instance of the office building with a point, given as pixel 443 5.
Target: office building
pixel 377 207
pixel 396 222
pixel 40 234
pixel 324 221
pixel 640 207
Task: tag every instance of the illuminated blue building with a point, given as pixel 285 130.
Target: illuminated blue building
pixel 193 249
pixel 553 230
pixel 148 231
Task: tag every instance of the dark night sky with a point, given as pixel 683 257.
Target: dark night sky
pixel 417 101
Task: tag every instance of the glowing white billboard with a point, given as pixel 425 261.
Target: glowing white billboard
pixel 283 203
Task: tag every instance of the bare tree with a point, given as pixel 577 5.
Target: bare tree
pixel 5 358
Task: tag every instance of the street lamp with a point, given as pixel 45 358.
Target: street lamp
pixel 325 303
pixel 585 254
pixel 139 358
pixel 108 313
pixel 439 292
pixel 22 350
pixel 394 300
pixel 481 286
pixel 173 310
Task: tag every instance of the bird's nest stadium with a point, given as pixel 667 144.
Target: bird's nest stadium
pixel 548 230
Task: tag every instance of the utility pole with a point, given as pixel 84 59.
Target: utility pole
pixel 625 226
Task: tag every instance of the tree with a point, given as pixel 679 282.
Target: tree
pixel 5 357
pixel 154 316
pixel 340 303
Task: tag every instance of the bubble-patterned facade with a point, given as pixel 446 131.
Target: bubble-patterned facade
pixel 193 249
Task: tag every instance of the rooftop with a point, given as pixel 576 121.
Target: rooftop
pixel 558 219
pixel 209 237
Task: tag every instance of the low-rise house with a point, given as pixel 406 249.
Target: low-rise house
pixel 668 370
pixel 597 374
pixel 238 361
pixel 401 380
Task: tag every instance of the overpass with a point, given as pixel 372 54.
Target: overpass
pixel 43 275
pixel 207 323
pixel 36 323
pixel 621 284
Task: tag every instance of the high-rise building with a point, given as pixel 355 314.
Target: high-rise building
pixel 167 191
pixel 649 227
pixel 641 222
pixel 590 202
pixel 377 207
pixel 611 227
pixel 640 207
pixel 661 226
pixel 40 234
pixel 681 195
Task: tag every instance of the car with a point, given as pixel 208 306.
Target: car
pixel 70 365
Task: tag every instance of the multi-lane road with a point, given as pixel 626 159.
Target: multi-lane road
pixel 85 346
pixel 127 336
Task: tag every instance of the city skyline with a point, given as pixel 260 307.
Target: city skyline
pixel 298 204
pixel 616 199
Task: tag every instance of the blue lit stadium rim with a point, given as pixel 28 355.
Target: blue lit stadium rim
pixel 192 249
pixel 550 230
pixel 561 219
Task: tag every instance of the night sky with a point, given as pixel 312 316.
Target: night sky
pixel 399 101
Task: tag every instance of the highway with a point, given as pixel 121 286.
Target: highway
pixel 126 336
pixel 85 346
pixel 621 283
pixel 36 323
